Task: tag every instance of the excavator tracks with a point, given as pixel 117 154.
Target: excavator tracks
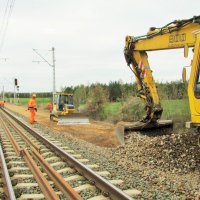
pixel 39 167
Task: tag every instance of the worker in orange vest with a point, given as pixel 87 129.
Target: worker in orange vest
pixel 2 104
pixel 32 108
pixel 50 106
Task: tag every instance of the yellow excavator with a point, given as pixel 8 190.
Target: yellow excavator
pixel 64 111
pixel 177 34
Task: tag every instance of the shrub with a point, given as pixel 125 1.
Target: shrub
pixel 83 110
pixel 132 110
pixel 97 102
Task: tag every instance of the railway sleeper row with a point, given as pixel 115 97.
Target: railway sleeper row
pixel 20 174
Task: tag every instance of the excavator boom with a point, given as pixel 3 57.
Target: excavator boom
pixel 177 34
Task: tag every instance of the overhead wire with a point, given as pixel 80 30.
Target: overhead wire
pixel 34 65
pixel 6 26
pixel 56 78
pixel 4 17
pixel 36 62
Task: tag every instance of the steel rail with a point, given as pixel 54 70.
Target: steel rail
pixel 44 185
pixel 8 189
pixel 64 187
pixel 24 136
pixel 11 138
pixel 107 188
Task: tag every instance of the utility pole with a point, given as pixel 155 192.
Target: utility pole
pixel 18 93
pixel 3 86
pixel 14 90
pixel 3 92
pixel 54 85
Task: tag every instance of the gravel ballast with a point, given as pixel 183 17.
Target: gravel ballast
pixel 162 166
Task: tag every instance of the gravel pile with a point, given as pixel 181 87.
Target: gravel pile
pixel 178 153
pixel 160 166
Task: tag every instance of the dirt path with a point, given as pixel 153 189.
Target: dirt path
pixel 99 133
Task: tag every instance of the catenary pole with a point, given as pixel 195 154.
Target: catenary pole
pixel 3 92
pixel 54 85
pixel 14 90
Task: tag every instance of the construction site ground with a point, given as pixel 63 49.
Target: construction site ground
pixel 97 132
pixel 163 163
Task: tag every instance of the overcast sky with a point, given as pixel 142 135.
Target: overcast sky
pixel 88 37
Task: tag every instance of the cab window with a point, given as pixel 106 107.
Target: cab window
pixel 197 83
pixel 70 99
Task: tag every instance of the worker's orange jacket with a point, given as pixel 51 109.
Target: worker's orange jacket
pixel 1 103
pixel 32 103
pixel 50 106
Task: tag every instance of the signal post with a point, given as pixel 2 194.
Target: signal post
pixel 16 84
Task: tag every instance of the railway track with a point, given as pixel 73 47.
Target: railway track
pixel 40 167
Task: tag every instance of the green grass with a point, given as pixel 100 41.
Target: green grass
pixel 178 111
pixel 169 107
pixel 175 104
pixel 42 102
pixel 113 107
pixel 175 107
pixel 83 105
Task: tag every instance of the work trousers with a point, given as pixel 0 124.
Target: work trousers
pixel 32 112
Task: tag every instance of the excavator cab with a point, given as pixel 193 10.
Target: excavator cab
pixel 197 85
pixel 64 111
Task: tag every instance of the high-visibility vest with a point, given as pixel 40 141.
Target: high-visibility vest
pixel 32 103
pixel 50 106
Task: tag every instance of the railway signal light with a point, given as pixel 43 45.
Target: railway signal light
pixel 15 81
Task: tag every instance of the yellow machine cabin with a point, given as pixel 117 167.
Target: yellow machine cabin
pixel 177 34
pixel 64 111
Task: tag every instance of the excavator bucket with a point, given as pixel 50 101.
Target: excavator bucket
pixel 73 119
pixel 120 130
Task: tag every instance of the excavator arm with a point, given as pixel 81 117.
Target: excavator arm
pixel 177 34
pixel 146 85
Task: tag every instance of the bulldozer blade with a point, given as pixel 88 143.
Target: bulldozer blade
pixel 73 119
pixel 120 130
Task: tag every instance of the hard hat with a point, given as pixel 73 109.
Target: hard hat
pixel 34 95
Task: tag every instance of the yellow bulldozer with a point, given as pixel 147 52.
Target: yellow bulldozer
pixel 64 111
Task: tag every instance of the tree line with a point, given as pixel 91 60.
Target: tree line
pixel 117 91
pixel 27 95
